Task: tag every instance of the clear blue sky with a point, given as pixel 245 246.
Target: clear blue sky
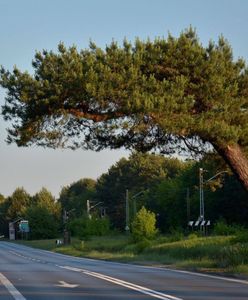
pixel 30 25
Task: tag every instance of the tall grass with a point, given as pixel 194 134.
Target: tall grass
pixel 214 253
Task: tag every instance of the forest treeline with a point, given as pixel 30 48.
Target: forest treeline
pixel 169 187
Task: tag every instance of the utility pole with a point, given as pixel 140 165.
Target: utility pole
pixel 127 212
pixel 88 208
pixel 202 210
pixel 201 185
pixel 133 199
pixel 188 205
pixel 66 233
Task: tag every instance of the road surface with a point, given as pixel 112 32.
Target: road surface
pixel 27 273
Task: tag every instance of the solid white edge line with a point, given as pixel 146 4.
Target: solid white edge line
pixel 10 287
pixel 144 267
pixel 152 267
pixel 203 275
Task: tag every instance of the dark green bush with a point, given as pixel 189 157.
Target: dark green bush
pixel 43 224
pixel 193 236
pixel 176 234
pixel 241 237
pixel 142 245
pixel 222 228
pixel 84 227
pixel 234 255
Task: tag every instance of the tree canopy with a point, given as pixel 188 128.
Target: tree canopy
pixel 45 199
pixel 74 197
pixel 17 204
pixel 168 94
pixel 138 173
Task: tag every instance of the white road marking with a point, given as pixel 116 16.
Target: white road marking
pixel 126 284
pixel 202 275
pixel 234 280
pixel 71 268
pixel 147 267
pixel 9 286
pixel 66 285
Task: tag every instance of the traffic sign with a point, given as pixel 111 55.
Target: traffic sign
pixel 24 226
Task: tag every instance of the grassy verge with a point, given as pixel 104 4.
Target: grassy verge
pixel 218 254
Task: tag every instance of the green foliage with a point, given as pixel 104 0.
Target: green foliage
pixel 229 202
pixel 76 194
pixel 41 222
pixel 222 228
pixel 141 245
pixel 234 255
pixel 241 237
pixel 161 184
pixel 138 173
pixel 108 243
pixel 188 249
pixel 45 199
pixel 176 234
pixel 169 95
pixel 17 204
pixel 168 198
pixel 2 199
pixel 192 236
pixel 85 227
pixel 188 91
pixel 4 228
pixel 213 254
pixel 224 198
pixel 144 225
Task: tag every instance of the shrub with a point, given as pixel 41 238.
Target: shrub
pixel 176 234
pixel 80 246
pixel 144 225
pixel 241 237
pixel 97 226
pixel 192 236
pixel 142 245
pixel 234 255
pixel 43 224
pixel 84 227
pixel 222 228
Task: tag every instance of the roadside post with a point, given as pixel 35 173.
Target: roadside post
pixel 12 231
pixel 127 229
pixel 66 233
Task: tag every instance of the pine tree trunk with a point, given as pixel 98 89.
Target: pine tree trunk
pixel 236 159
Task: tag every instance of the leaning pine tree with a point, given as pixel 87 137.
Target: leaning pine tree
pixel 168 94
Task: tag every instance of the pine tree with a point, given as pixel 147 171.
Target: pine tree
pixel 168 94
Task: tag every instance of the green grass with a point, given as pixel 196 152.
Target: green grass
pixel 218 254
pixel 41 244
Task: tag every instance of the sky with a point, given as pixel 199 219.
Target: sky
pixel 31 25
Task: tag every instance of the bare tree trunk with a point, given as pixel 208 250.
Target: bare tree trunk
pixel 237 161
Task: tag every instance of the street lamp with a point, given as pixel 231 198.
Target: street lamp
pixel 201 185
pixel 134 202
pixel 134 206
pixel 127 212
pixel 66 232
pixel 89 207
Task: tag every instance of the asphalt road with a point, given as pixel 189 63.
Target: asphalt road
pixel 27 273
